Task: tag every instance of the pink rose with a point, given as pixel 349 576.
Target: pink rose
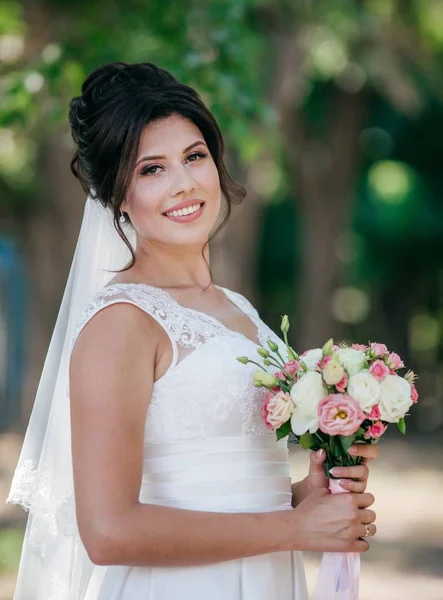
pixel 264 413
pixel 374 415
pixel 394 361
pixel 361 347
pixel 293 367
pixel 379 370
pixel 341 385
pixel 324 361
pixel 378 349
pixel 375 430
pixel 278 409
pixel 339 415
pixel 414 394
pixel 280 375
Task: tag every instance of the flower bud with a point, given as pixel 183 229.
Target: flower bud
pixel 264 379
pixel 285 324
pixel 273 346
pixel 267 362
pixel 291 354
pixel 263 352
pixel 243 359
pixel 327 348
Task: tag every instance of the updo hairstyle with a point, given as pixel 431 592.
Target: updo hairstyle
pixel 118 100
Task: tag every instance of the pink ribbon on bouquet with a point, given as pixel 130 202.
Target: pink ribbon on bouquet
pixel 339 573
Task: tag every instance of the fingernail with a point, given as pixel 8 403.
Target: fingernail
pixel 353 450
pixel 335 471
pixel 341 482
pixel 319 453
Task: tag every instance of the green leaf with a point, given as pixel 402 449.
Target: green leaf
pixel 347 441
pixel 306 440
pixel 284 430
pixel 402 426
pixel 334 444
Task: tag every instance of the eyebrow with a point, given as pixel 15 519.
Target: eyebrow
pixel 161 157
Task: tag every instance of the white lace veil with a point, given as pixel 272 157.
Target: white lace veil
pixel 54 564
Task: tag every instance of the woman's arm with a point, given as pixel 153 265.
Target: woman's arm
pixel 111 376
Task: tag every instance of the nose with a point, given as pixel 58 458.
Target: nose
pixel 182 181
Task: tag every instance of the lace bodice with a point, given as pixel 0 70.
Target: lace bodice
pixel 205 392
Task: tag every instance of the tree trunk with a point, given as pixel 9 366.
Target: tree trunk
pixel 324 177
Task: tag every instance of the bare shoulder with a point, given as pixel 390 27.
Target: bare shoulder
pixel 114 331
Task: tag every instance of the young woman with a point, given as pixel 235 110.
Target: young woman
pixel 147 470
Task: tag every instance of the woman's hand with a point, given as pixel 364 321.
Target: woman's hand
pixel 333 522
pixel 352 479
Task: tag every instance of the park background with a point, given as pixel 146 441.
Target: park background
pixel 332 113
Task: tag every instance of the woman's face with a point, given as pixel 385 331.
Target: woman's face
pixel 173 166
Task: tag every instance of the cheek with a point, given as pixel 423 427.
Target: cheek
pixel 211 181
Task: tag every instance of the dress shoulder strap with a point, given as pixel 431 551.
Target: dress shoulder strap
pixel 242 302
pixel 153 301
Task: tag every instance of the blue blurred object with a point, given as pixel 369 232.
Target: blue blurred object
pixel 12 331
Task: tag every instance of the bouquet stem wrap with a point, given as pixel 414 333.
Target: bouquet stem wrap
pixel 339 574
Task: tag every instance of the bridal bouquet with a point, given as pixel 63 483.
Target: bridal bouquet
pixel 330 398
pixel 334 396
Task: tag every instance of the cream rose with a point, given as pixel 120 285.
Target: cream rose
pixel 333 372
pixel 279 409
pixel 395 398
pixel 352 360
pixel 306 394
pixel 311 358
pixel 364 388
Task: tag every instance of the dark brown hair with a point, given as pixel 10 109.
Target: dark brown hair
pixel 118 100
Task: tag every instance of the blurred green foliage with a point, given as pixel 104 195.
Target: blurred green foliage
pixel 384 57
pixel 11 540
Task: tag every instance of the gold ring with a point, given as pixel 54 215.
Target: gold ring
pixel 367 530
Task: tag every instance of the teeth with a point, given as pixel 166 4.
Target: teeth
pixel 184 211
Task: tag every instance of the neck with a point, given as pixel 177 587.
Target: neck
pixel 172 268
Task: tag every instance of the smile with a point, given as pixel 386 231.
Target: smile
pixel 187 214
pixel 183 212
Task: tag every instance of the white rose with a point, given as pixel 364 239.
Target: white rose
pixel 312 357
pixel 352 360
pixel 307 393
pixel 395 398
pixel 364 388
pixel 280 408
pixel 333 373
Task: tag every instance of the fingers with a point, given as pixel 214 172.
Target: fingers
pixel 358 487
pixel 364 500
pixel 316 463
pixel 366 451
pixel 372 530
pixel 361 545
pixel 360 472
pixel 366 516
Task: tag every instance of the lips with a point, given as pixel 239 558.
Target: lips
pixel 184 204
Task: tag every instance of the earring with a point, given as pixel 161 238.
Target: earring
pixel 122 218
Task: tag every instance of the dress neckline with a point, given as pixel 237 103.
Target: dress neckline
pixel 226 292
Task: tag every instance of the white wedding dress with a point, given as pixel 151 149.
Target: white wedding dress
pixel 206 448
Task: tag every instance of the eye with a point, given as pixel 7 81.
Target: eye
pixel 199 154
pixel 149 171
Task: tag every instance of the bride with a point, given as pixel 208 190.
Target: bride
pixel 146 468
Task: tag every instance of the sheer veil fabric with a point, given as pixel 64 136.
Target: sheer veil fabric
pixel 54 563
